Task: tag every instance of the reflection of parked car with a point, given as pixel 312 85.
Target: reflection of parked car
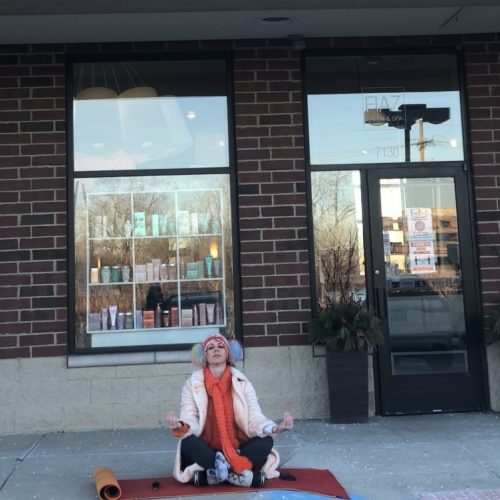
pixel 407 284
pixel 190 299
pixel 420 319
pixel 155 296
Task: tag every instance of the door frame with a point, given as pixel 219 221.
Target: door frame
pixel 470 279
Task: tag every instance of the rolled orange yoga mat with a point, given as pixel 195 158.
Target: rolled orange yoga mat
pixel 106 484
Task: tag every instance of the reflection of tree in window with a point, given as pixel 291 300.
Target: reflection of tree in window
pixel 336 235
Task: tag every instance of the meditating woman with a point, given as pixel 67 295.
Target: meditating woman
pixel 224 435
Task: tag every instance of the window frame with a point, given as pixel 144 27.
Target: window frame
pixel 230 170
pixel 458 53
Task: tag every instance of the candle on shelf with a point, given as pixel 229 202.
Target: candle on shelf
pixel 214 251
pixel 94 275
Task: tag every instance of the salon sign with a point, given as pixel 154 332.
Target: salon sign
pixel 421 241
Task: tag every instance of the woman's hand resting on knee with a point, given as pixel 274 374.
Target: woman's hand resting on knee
pixel 172 421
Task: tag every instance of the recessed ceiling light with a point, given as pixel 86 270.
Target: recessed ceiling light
pixel 275 19
pixel 191 115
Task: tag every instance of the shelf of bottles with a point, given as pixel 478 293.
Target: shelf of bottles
pixel 155 261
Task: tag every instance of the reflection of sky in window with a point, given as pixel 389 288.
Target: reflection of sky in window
pixel 338 133
pixel 152 133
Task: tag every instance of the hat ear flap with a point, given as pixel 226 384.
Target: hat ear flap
pixel 235 351
pixel 198 356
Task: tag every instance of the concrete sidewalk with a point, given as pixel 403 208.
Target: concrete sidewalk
pixel 392 458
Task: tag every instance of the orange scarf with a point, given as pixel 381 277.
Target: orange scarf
pixel 220 389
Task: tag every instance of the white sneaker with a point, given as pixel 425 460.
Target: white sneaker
pixel 221 467
pixel 244 479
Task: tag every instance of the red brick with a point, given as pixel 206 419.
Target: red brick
pixel 275 257
pixel 30 340
pixel 263 341
pixel 248 212
pixel 256 246
pixel 254 177
pixel 290 316
pixel 244 76
pixel 243 143
pixel 22 352
pixel 9 150
pixel 49 326
pixel 280 281
pixel 50 206
pixel 259 223
pixel 254 200
pixel 292 268
pixel 251 281
pixel 8 341
pixel 248 258
pixel 290 222
pixel 38 149
pixel 290 340
pixel 256 270
pixel 282 305
pixel 10 104
pixel 36 266
pixel 259 317
pixel 49 351
pixel 253 305
pixel 278 234
pixel 7 316
pixel 253 132
pixel 258 293
pixel 49 160
pixel 273 97
pixel 276 142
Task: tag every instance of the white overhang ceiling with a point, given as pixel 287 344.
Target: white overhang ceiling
pixel 57 21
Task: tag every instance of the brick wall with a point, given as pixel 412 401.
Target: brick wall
pixel 32 202
pixel 483 87
pixel 274 262
pixel 271 194
pixel 270 173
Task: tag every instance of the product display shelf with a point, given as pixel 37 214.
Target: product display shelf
pixel 156 335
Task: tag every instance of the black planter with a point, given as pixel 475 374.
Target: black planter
pixel 347 373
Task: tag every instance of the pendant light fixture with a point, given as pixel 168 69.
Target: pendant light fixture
pixel 97 128
pixel 143 124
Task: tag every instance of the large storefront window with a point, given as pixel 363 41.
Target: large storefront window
pixel 384 109
pixel 153 253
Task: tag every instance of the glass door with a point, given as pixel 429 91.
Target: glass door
pixel 424 290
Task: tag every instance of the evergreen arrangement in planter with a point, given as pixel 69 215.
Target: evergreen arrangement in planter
pixel 348 331
pixel 345 325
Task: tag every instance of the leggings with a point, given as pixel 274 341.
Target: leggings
pixel 194 450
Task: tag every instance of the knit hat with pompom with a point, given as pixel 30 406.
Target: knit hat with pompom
pixel 233 348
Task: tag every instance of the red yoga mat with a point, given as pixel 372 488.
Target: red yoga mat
pixel 318 481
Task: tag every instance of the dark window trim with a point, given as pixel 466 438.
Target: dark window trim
pixel 70 60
